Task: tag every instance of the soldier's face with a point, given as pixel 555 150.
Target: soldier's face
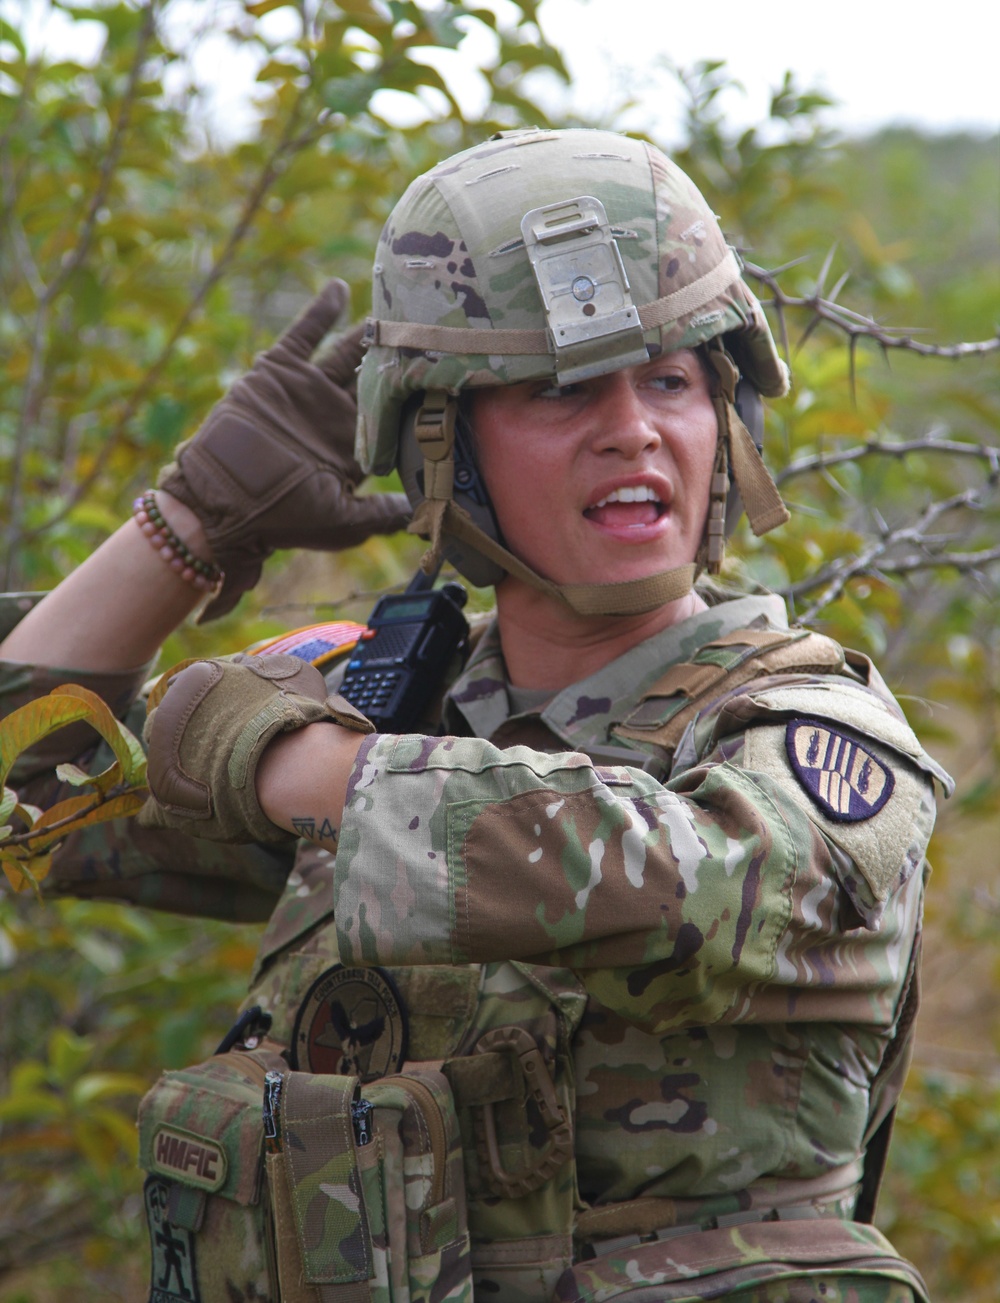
pixel 605 480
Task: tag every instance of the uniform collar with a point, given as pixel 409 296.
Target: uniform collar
pixel 582 713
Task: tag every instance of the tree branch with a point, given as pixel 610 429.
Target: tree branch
pixel 32 395
pixel 855 325
pixel 887 448
pixel 876 559
pixel 288 145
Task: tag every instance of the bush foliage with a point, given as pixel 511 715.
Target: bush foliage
pixel 143 263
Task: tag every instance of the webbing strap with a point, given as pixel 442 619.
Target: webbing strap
pixel 317 1136
pixel 761 499
pixel 519 343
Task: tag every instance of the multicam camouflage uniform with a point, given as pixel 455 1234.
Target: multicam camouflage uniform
pixel 730 942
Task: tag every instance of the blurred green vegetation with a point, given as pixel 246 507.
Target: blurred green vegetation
pixel 141 267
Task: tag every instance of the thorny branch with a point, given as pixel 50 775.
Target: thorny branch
pixel 881 557
pixel 854 325
pixel 932 442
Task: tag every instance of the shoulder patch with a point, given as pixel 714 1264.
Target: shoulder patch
pixel 841 776
pixel 881 815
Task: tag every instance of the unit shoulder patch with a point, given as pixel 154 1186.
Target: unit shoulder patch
pixel 867 798
pixel 842 776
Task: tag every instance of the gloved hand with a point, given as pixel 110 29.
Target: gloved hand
pixel 273 466
pixel 207 730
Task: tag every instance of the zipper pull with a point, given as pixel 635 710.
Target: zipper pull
pixel 273 1081
pixel 361 1116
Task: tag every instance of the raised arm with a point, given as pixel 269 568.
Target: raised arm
pixel 114 611
pixel 272 467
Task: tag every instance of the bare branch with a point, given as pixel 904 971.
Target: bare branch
pixel 877 558
pixel 890 448
pixel 854 324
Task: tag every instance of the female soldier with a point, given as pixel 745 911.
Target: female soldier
pixel 667 849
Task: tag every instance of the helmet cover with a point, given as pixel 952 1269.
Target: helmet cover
pixel 453 255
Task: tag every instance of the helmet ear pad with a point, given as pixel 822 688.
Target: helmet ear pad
pixel 469 493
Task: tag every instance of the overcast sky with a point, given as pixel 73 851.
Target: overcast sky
pixel 933 66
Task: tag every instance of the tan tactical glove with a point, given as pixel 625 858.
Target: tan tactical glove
pixel 273 466
pixel 207 730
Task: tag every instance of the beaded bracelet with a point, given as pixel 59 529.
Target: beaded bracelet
pixel 178 556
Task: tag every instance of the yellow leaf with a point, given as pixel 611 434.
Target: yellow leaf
pixel 23 870
pixel 29 724
pixel 75 776
pixel 70 704
pixel 128 751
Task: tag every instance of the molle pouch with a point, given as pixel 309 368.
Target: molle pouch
pixel 367 1189
pixel 515 1092
pixel 207 1205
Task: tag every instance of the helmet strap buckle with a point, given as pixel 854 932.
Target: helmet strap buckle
pixel 434 431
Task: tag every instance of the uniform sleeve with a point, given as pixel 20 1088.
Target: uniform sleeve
pixel 118 860
pixel 682 904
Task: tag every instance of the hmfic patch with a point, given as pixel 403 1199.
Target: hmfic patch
pixel 840 775
pixel 195 1160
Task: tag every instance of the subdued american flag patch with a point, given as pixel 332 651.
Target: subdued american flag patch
pixel 844 779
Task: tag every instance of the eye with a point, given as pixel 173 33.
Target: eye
pixel 671 382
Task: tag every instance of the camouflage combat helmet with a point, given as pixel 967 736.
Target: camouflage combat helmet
pixel 552 253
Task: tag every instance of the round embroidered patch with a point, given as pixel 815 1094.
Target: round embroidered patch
pixel 352 1022
pixel 843 779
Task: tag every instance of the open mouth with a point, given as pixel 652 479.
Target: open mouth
pixel 630 507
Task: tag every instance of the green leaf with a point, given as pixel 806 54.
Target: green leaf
pixel 104 1085
pixel 69 1053
pixel 8 804
pixel 11 34
pixel 75 776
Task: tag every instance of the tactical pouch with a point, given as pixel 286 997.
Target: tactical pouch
pixel 791 1261
pixel 207 1206
pixel 367 1189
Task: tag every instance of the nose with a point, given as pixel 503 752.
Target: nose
pixel 623 423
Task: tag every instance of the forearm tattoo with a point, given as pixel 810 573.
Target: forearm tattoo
pixel 321 831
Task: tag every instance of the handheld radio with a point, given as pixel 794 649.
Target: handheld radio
pixel 401 659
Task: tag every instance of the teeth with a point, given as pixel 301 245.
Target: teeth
pixel 639 493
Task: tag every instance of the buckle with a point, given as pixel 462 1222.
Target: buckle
pixel 538 1078
pixel 593 324
pixel 434 426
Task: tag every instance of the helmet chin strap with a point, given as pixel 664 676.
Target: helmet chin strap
pixel 735 451
pixel 439 515
pixel 434 519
